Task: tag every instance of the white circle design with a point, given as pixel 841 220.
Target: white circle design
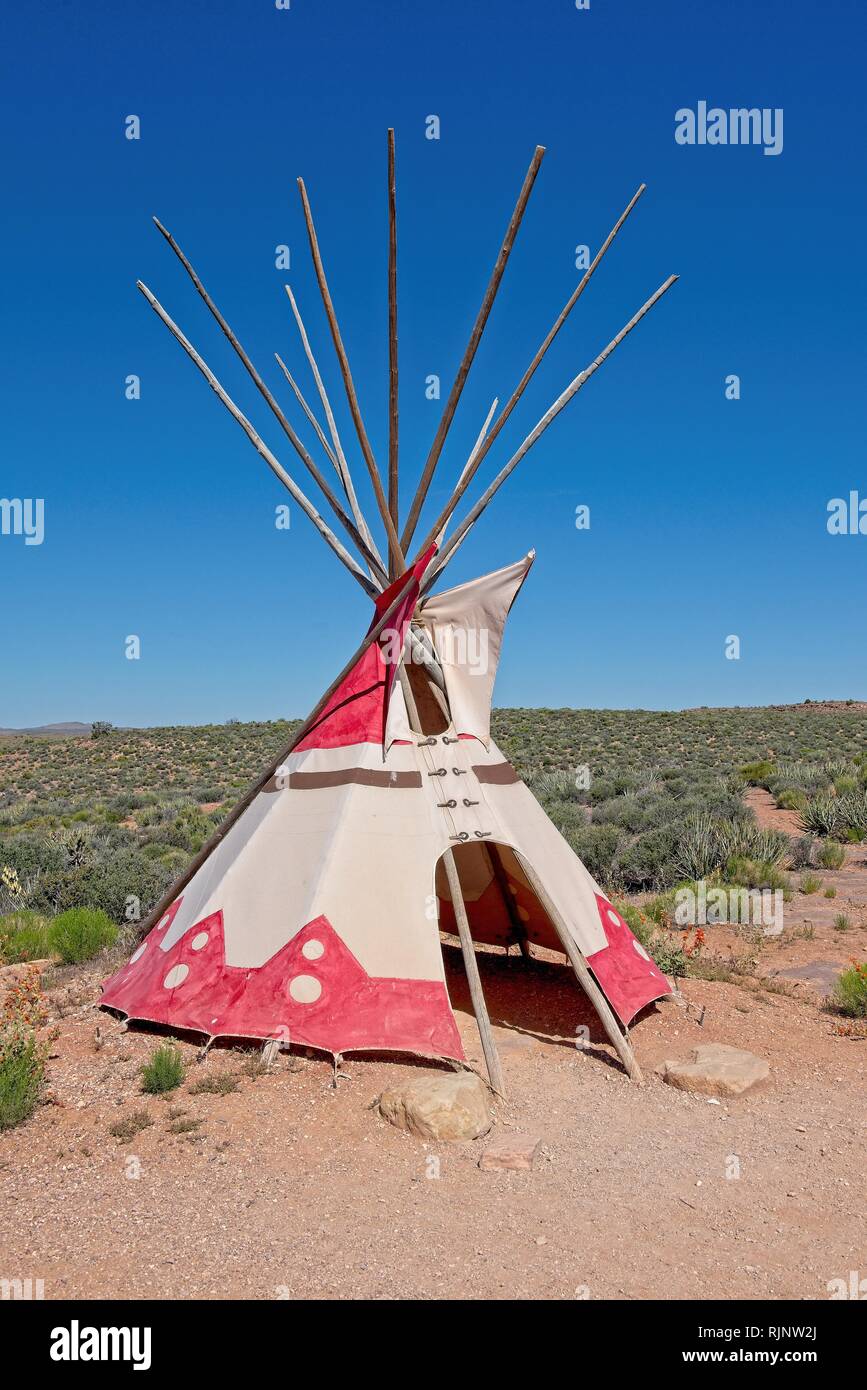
pixel 137 955
pixel 312 950
pixel 640 949
pixel 305 989
pixel 176 976
pixel 523 913
pixel 613 917
pixel 164 922
pixel 199 941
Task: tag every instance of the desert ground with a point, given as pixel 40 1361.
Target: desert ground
pixel 287 1183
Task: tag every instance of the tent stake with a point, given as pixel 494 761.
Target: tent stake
pixel 582 971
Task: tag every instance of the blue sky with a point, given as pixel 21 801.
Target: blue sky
pixel 707 515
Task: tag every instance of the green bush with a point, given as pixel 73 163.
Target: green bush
pixel 792 799
pixel 81 933
pixel 24 936
pixel 810 883
pixel 22 1069
pixel 756 873
pixel 831 855
pixel 757 774
pixel 850 992
pixel 164 1071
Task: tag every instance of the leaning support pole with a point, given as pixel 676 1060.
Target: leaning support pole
pixel 536 433
pixel 261 447
pixel 237 811
pixel 519 931
pixel 392 342
pixel 472 345
pixel 349 525
pixel 341 465
pixel 468 951
pixel 393 541
pixel 479 455
pixel 582 971
pixel 471 965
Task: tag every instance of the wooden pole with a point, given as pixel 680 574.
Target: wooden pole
pixel 392 343
pixel 476 462
pixel 261 447
pixel 468 950
pixel 469 354
pixel 475 449
pixel 536 433
pixel 393 541
pixel 299 396
pixel 518 928
pixel 342 465
pixel 471 965
pixel 348 524
pixel 374 571
pixel 582 972
pixel 249 796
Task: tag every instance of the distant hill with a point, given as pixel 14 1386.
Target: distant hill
pixel 71 730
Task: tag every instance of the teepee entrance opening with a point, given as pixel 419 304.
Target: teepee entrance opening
pixel 488 892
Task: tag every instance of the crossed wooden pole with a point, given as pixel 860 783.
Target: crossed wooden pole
pixel 373 573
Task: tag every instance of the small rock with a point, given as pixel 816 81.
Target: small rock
pixel 511 1153
pixel 715 1070
pixel 439 1107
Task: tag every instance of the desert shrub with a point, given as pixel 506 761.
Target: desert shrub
pixel 698 852
pixel 801 852
pixel 821 815
pixel 648 861
pixel 596 845
pixel 220 1083
pixel 756 873
pixel 164 1071
pixel 841 922
pixel 131 1125
pixel 22 1070
pixel 758 774
pixel 850 992
pixel 24 936
pixel 80 933
pixel 810 883
pixel 830 892
pixel 831 855
pixel 792 799
pixel 853 814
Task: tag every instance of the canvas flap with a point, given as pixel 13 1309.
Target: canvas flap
pixel 466 624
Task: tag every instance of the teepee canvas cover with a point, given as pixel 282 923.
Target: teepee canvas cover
pixel 313 913
pixel 317 918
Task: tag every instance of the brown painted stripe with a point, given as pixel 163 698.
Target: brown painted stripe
pixel 343 777
pixel 502 774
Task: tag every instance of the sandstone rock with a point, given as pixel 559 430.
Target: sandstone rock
pixel 439 1107
pixel 715 1070
pixel 510 1153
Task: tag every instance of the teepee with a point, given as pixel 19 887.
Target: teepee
pixel 313 914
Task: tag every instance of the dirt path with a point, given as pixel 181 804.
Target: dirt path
pixel 768 813
pixel 288 1188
